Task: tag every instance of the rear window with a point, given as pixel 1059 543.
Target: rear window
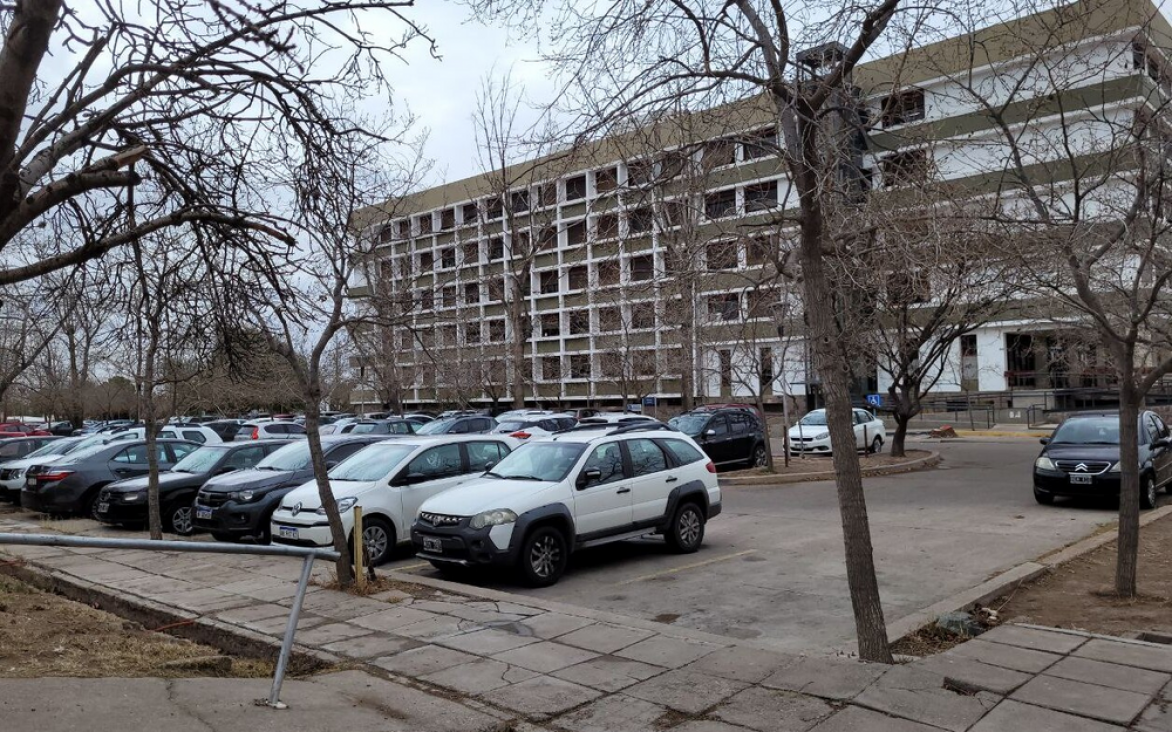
pixel 683 452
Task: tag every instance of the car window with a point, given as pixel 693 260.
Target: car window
pixel 719 425
pixel 194 436
pixel 341 452
pixel 608 460
pixel 137 455
pixel 402 428
pixel 681 451
pixel 1153 432
pixel 483 424
pixel 481 454
pixel 437 462
pixel 647 457
pixel 1161 428
pixel 738 424
pixel 11 450
pixel 294 429
pixel 180 450
pixel 246 458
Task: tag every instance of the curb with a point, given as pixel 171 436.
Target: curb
pixel 931 460
pixel 1010 579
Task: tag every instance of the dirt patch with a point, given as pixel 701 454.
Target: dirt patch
pixel 1080 594
pixel 392 590
pixel 927 641
pixel 42 634
pixel 824 463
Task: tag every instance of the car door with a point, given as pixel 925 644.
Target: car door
pixel 741 437
pixel 862 433
pixel 482 455
pixel 132 461
pixel 602 504
pixel 718 440
pixel 339 453
pixel 1161 455
pixel 652 479
pixel 432 471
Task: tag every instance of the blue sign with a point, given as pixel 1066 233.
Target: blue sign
pixel 875 400
pixel 649 401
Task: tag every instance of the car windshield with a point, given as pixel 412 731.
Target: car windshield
pixel 199 461
pixel 368 428
pixel 294 456
pixel 690 424
pixel 510 426
pixel 438 427
pixel 80 454
pixel 1088 431
pixel 815 419
pixel 545 461
pixel 57 447
pixel 372 463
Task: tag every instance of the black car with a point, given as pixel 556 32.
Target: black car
pixel 61 429
pixel 460 425
pixel 729 436
pixel 1081 458
pixel 225 428
pixel 380 427
pixel 70 484
pixel 125 503
pixel 238 506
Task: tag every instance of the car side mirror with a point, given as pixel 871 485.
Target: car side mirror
pixel 1161 442
pixel 1045 440
pixel 709 433
pixel 225 469
pixel 489 466
pixel 588 475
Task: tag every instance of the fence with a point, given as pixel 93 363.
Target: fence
pixel 196 547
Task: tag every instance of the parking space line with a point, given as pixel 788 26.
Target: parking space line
pixel 694 565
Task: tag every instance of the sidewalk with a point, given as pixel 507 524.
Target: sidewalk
pixel 486 658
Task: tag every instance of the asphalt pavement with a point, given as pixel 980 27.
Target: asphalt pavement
pixel 772 564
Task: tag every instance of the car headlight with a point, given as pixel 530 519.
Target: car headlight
pixel 821 435
pixel 132 497
pixel 244 496
pixel 495 517
pixel 1117 467
pixel 1044 463
pixel 344 505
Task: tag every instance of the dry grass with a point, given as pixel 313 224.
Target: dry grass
pixel 927 641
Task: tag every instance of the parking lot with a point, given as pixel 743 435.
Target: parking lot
pixel 772 563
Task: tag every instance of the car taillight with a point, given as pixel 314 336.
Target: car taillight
pixel 54 476
pixel 710 467
pixel 256 433
pixel 521 435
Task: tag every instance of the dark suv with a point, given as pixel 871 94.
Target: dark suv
pixel 729 435
pixel 238 506
pixel 459 425
pixel 1081 458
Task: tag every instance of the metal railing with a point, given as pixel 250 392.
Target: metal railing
pixel 197 547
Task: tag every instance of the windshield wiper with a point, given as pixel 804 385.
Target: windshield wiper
pixel 495 475
pixel 524 477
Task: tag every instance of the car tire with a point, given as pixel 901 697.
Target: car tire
pixel 685 534
pixel 1046 499
pixel 544 556
pixel 379 536
pixel 179 518
pixel 90 509
pixel 759 458
pixel 876 445
pixel 1147 492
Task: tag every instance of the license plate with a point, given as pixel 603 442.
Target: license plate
pixel 1081 479
pixel 431 544
pixel 103 507
pixel 203 513
pixel 286 532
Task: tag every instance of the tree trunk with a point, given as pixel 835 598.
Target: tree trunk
pixel 344 565
pixel 517 344
pixel 900 435
pixel 150 431
pixel 760 404
pixel 1127 560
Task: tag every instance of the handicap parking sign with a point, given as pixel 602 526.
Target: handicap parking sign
pixel 875 400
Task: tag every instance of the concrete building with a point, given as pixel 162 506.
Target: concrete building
pixel 651 255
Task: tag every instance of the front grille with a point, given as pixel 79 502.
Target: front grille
pixel 1083 467
pixel 212 498
pixel 438 519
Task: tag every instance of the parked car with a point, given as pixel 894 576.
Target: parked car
pixel 617 418
pixel 14 448
pixel 577 489
pixel 418 417
pixel 1081 458
pixel 12 470
pixel 125 502
pixel 379 427
pixel 19 428
pixel 238 506
pixel 225 428
pixel 524 428
pixel 728 435
pixel 812 434
pixel 389 480
pixel 189 432
pixel 61 429
pixel 69 484
pixel 458 426
pixel 269 431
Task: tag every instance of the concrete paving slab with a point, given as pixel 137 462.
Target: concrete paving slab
pixel 479 676
pixel 418 709
pixel 249 584
pixel 375 645
pixel 857 719
pixel 666 651
pixel 604 637
pixel 706 725
pixel 545 656
pixel 204 601
pixel 1005 656
pixel 1034 639
pixel 1012 716
pixel 908 692
pixel 276 625
pixel 552 625
pixel 1126 678
pixel 436 627
pixel 686 691
pixel 487 642
pixel 1140 655
pixel 423 661
pixel 541 697
pixel 339 605
pixel 1158 716
pixel 1084 700
pixel 510 608
pixel 827 678
pixel 974 675
pixel 614 713
pixel 752 665
pixel 766 710
pixel 330 633
pixel 393 618
pixel 609 673
pixel 258 611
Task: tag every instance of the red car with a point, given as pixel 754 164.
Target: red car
pixel 16 429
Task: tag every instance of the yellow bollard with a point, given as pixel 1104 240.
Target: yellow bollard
pixel 359 549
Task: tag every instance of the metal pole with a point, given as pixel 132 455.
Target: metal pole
pixel 290 629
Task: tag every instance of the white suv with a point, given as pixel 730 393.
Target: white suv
pixel 590 485
pixel 390 480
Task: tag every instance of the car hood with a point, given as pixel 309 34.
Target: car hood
pixel 166 480
pixel 306 494
pixel 1064 451
pixel 254 479
pixel 808 430
pixel 25 462
pixel 485 494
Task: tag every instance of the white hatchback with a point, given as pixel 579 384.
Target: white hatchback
pixel 389 480
pixel 812 435
pixel 190 432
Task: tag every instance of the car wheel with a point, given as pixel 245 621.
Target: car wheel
pixel 1147 492
pixel 91 506
pixel 544 557
pixel 379 538
pixel 760 457
pixel 876 445
pixel 179 520
pixel 1045 499
pixel 686 532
